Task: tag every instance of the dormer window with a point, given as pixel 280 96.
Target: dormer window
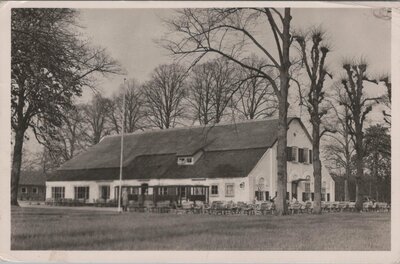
pixel 185 161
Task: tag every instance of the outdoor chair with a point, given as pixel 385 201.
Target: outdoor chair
pixel 295 207
pixel 266 208
pixel 187 207
pixel 111 203
pixel 324 207
pixel 352 206
pixel 163 207
pixel 229 207
pixel 49 201
pixel 149 206
pixel 343 206
pixel 198 207
pixel 367 206
pixel 101 202
pixel 335 207
pixel 240 206
pixel 309 207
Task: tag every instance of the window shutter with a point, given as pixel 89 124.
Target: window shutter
pixel 294 154
pixel 303 196
pixel 289 153
pixel 305 154
pixel 311 156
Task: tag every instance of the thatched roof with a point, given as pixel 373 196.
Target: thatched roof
pixel 229 150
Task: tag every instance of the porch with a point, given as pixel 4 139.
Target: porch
pixel 161 193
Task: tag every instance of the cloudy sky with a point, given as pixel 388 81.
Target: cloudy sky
pixel 129 36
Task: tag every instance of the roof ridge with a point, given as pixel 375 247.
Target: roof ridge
pixel 194 127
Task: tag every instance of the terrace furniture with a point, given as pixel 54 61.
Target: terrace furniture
pixel 267 208
pixel 49 201
pixel 294 207
pixel 343 206
pixel 198 207
pixel 352 206
pixel 111 203
pixel 308 207
pixel 240 207
pixel 149 206
pixel 367 206
pixel 100 202
pixel 187 207
pixel 162 207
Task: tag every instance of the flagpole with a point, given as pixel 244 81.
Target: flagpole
pixel 122 147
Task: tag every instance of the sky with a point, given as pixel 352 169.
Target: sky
pixel 130 35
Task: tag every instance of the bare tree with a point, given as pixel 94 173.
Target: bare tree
pixel 387 100
pixel 314 58
pixel 134 108
pixel 68 140
pixel 339 148
pixel 359 105
pixel 255 97
pixel 95 118
pixel 228 32
pixel 50 63
pixel 163 96
pixel 211 88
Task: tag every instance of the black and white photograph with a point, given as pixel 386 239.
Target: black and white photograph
pixel 250 127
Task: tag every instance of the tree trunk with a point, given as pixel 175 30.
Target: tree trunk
pixel 16 165
pixel 346 190
pixel 317 169
pixel 280 201
pixel 360 169
pixel 281 205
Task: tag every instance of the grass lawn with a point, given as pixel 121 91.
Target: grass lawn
pixel 60 229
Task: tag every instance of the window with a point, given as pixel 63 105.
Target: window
pixel 57 192
pixel 301 155
pixel 230 190
pixel 183 191
pixel 185 160
pixel 294 154
pixel 81 192
pixel 162 191
pixel 307 187
pixel 105 192
pixel 24 190
pixel 198 191
pixel 214 189
pixel 259 195
pixel 35 190
pixel 289 153
pixel 323 192
pixel 306 156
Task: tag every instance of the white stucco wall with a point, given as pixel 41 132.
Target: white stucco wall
pixel 267 167
pixel 240 194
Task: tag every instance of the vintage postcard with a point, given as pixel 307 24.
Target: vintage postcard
pixel 247 132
